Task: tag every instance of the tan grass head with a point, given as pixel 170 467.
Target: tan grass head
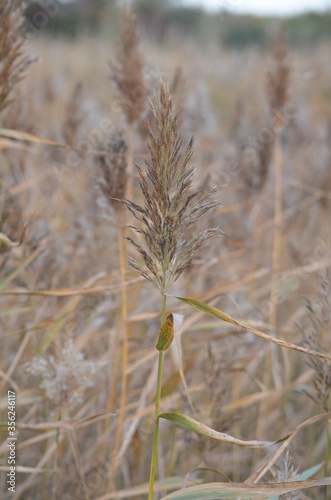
pixel 114 177
pixel 170 207
pixel 278 82
pixel 127 70
pixel 13 61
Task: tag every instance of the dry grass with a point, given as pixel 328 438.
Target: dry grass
pixel 63 322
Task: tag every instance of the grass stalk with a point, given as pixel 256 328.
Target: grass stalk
pixel 277 240
pixel 113 379
pixel 130 162
pixel 327 456
pixel 57 461
pixel 122 254
pixel 157 411
pixel 276 253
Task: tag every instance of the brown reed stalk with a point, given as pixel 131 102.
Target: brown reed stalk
pixel 122 257
pixel 13 61
pixel 278 94
pixel 278 80
pixel 127 74
pixel 113 185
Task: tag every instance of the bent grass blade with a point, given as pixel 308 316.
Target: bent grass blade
pixel 216 313
pixel 193 425
pixel 216 491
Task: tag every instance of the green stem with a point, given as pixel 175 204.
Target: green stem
pixel 157 411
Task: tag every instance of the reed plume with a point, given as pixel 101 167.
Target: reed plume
pixel 113 182
pixel 127 70
pixel 13 61
pixel 127 74
pixel 170 207
pixel 278 83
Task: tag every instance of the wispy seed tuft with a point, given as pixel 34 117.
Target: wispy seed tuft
pixel 127 70
pixel 13 61
pixel 170 207
pixel 278 83
pixel 114 171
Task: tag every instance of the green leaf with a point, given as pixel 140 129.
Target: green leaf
pixel 191 424
pixel 310 472
pixel 216 491
pixel 166 334
pixel 212 311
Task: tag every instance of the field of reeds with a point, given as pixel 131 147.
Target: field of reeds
pixel 165 254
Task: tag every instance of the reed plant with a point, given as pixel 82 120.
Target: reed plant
pixel 113 185
pixel 127 75
pixel 169 210
pixel 278 88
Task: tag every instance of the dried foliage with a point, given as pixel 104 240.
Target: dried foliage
pixel 127 70
pixel 168 211
pixel 64 278
pixel 13 61
pixel 65 380
pixel 315 333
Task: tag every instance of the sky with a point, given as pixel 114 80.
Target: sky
pixel 272 7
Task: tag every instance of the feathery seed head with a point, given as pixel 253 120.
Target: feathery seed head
pixel 278 81
pixel 114 175
pixel 13 61
pixel 127 70
pixel 170 207
pixel 66 379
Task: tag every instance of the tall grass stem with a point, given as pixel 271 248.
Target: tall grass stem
pixel 277 240
pixel 157 411
pixel 130 162
pixel 122 256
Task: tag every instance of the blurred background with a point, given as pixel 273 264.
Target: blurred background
pixel 245 22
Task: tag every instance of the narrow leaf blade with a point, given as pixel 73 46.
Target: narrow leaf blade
pixel 24 136
pixel 216 491
pixel 193 425
pixel 212 311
